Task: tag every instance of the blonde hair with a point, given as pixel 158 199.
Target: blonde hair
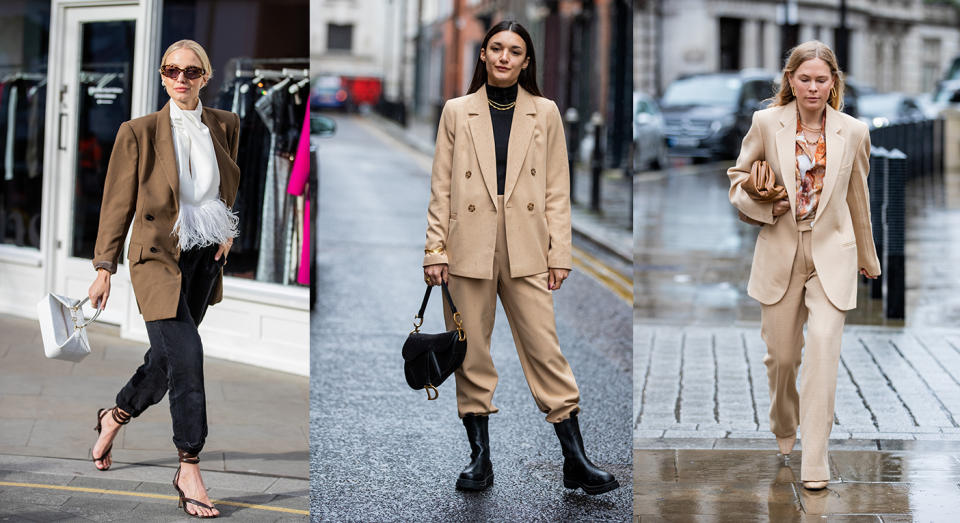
pixel 197 50
pixel 799 55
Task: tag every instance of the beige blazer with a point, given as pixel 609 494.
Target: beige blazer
pixel 143 186
pixel 842 239
pixel 462 216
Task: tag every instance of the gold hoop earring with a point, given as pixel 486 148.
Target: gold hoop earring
pixel 793 91
pixel 833 93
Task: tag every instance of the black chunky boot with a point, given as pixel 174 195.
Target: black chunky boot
pixel 578 471
pixel 479 473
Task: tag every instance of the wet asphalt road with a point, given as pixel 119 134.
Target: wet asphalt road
pixel 379 450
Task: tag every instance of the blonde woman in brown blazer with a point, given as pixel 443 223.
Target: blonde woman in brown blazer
pixel 499 224
pixel 811 246
pixel 173 174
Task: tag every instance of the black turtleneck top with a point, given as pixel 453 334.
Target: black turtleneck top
pixel 502 121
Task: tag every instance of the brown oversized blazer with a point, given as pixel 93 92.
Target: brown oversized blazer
pixel 842 239
pixel 143 186
pixel 462 215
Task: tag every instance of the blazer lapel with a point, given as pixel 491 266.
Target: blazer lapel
pixel 481 132
pixel 835 145
pixel 166 154
pixel 786 139
pixel 218 131
pixel 521 131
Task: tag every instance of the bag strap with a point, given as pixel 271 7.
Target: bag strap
pixel 78 307
pixel 418 319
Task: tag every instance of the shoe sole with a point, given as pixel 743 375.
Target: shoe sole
pixel 474 484
pixel 592 490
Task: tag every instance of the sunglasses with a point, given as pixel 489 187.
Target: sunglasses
pixel 172 71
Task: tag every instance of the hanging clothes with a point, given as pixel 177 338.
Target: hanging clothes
pixel 298 186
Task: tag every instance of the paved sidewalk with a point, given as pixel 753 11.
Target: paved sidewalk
pixel 710 383
pixel 257 447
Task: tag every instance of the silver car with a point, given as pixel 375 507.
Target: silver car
pixel 649 141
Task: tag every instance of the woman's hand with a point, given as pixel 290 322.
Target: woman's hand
pixel 224 250
pixel 780 207
pixel 556 277
pixel 867 274
pixel 100 289
pixel 435 274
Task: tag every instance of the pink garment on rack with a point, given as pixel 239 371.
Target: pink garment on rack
pixel 301 163
pixel 303 274
pixel 298 181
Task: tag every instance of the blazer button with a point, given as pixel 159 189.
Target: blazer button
pixel 530 206
pixel 149 217
pixel 154 250
pixel 469 174
pixel 533 172
pixel 471 208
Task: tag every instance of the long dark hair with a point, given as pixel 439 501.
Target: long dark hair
pixel 528 76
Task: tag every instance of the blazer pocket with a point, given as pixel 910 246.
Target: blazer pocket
pixel 134 252
pixel 849 243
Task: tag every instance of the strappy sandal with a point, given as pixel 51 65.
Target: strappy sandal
pixel 122 418
pixel 192 459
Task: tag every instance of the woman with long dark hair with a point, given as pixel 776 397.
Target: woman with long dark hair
pixel 811 247
pixel 499 224
pixel 173 174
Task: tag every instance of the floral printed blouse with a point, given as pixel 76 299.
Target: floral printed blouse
pixel 810 167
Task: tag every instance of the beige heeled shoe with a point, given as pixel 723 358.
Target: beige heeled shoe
pixel 786 445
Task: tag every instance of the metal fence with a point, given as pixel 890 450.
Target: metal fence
pixel 903 152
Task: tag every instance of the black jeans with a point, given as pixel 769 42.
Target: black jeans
pixel 174 360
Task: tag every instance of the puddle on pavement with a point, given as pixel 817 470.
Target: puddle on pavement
pixel 749 485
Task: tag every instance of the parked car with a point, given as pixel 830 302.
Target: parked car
pixel 880 110
pixel 328 92
pixel 707 115
pixel 649 140
pixel 946 95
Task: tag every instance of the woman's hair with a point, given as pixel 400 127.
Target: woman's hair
pixel 196 48
pixel 528 76
pixel 799 55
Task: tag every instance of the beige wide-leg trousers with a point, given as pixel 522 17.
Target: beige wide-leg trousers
pixel 529 308
pixel 782 330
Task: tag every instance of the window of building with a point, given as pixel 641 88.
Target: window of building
pixel 339 37
pixel 730 29
pixel 24 37
pixel 930 66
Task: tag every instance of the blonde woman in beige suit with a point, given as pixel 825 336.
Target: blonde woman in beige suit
pixel 810 247
pixel 499 224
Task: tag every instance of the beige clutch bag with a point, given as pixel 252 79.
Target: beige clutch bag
pixel 761 185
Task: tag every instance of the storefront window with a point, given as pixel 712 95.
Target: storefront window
pixel 24 37
pixel 259 51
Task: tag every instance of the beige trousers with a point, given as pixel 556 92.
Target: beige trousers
pixel 782 330
pixel 529 308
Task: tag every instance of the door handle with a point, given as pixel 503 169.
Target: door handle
pixel 60 145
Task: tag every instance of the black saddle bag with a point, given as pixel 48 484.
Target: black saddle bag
pixel 428 359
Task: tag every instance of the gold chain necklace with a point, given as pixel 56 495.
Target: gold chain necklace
pixel 502 107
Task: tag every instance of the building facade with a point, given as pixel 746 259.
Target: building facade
pixel 892 45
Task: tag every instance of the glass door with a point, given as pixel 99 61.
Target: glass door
pixel 95 96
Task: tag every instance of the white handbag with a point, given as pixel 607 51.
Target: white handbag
pixel 63 327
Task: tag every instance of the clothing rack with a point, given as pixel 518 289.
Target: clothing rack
pixel 23 76
pixel 273 74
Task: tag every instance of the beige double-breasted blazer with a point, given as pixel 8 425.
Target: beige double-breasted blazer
pixel 462 216
pixel 143 186
pixel 842 237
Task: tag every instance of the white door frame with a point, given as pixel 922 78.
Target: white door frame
pixel 59 166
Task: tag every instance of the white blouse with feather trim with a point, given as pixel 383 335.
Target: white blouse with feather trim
pixel 203 219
